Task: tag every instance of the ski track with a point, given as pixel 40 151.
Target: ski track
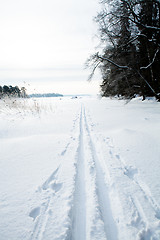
pixel 102 190
pixel 95 182
pixel 91 212
pixel 79 208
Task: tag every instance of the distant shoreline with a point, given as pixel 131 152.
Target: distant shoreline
pixel 37 95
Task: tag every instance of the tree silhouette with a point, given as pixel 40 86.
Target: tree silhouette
pixel 129 32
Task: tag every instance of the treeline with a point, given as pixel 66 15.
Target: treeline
pixel 38 95
pixel 129 32
pixel 11 91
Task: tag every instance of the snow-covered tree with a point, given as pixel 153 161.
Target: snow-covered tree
pixel 130 36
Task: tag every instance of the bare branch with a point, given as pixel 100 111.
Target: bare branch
pixel 152 60
pixel 110 61
pixel 147 83
pixel 144 26
pixel 93 71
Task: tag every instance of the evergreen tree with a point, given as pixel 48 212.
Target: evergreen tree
pixel 6 90
pixel 11 91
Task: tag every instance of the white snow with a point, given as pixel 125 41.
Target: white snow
pixel 79 169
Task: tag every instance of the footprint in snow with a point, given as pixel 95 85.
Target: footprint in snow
pixel 65 150
pixel 130 171
pixel 117 156
pixel 52 177
pixel 157 215
pixel 34 213
pixel 56 186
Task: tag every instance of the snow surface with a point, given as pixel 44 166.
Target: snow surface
pixel 79 169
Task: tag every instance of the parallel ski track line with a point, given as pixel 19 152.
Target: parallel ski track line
pixel 84 225
pixel 78 231
pixel 85 216
pixel 102 190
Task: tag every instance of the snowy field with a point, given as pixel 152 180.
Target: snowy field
pixel 79 169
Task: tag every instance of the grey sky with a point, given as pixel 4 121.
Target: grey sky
pixel 45 42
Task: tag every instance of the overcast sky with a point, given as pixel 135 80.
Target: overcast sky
pixel 44 44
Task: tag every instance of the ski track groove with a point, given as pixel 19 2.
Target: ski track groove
pixel 78 230
pixel 84 225
pixel 102 190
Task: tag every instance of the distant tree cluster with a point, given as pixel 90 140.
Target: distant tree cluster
pixel 129 31
pixel 38 95
pixel 11 91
